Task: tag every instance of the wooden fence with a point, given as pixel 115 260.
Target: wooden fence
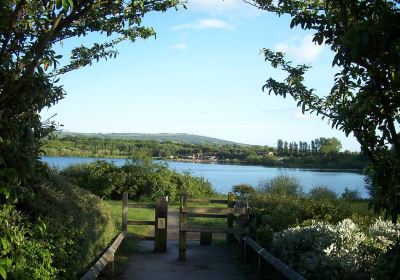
pixel 160 220
pixel 105 264
pixel 250 249
pixel 266 260
pixel 206 232
pixel 236 212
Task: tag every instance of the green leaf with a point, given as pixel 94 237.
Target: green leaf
pixel 71 4
pixel 58 4
pixel 65 4
pixel 4 244
pixel 3 272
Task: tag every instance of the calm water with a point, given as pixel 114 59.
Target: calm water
pixel 224 176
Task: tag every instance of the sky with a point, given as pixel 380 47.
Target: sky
pixel 202 74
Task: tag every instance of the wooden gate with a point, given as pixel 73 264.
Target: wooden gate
pixel 206 232
pixel 160 220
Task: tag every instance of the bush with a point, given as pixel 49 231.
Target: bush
pixel 141 178
pixel 351 194
pixel 24 250
pixel 242 189
pixel 79 222
pixel 388 264
pixel 281 185
pixel 322 193
pixel 147 180
pixel 282 212
pixel 342 251
pixel 191 186
pixel 100 177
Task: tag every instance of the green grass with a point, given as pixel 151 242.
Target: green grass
pixel 136 214
pixel 129 245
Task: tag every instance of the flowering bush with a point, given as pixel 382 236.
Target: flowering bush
pixel 341 251
pixel 278 212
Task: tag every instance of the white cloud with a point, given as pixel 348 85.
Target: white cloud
pixel 179 46
pixel 230 8
pixel 214 5
pixel 301 117
pixel 305 50
pixel 208 23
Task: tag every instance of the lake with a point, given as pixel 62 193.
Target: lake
pixel 224 176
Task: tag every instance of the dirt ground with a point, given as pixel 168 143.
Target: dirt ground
pixel 217 261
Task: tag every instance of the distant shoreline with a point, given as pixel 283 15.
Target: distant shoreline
pixel 225 162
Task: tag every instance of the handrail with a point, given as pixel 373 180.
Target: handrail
pixel 262 253
pixel 105 260
pixel 278 265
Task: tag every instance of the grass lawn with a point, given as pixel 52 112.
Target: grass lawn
pixel 136 214
pixel 124 252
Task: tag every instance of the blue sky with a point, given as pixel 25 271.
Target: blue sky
pixel 202 74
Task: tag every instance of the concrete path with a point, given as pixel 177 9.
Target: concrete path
pixel 216 262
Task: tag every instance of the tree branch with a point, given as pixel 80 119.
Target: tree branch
pixel 12 24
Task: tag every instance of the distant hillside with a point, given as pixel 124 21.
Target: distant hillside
pixel 161 137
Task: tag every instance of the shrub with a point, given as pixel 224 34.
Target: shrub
pixel 141 178
pixel 191 186
pixel 282 212
pixel 242 189
pixel 322 193
pixel 281 185
pixel 351 194
pixel 388 264
pixel 342 251
pixel 24 250
pixel 79 222
pixel 100 177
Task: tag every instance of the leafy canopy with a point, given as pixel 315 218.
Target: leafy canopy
pixel 364 99
pixel 30 66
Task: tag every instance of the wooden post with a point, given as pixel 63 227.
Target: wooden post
pixel 205 238
pixel 263 271
pixel 229 218
pixel 124 212
pixel 244 250
pixel 161 219
pixel 182 234
pixel 109 269
pixel 244 219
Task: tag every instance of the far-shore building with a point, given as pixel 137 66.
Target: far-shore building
pixel 212 158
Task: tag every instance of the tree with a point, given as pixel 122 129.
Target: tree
pixel 313 147
pixel 279 148
pixel 331 146
pixel 295 149
pixel 285 148
pixel 30 67
pixel 364 99
pixel 291 148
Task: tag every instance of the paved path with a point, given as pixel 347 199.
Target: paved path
pixel 216 262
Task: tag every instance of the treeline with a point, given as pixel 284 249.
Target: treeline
pixel 96 147
pixel 319 153
pixel 319 146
